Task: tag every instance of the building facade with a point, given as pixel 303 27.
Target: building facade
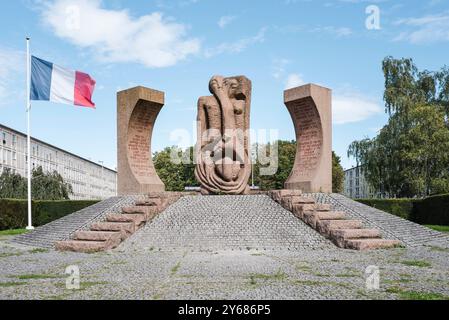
pixel 89 180
pixel 356 186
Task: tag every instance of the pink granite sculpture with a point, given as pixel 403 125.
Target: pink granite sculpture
pixel 223 162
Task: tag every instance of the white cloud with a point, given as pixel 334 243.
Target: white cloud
pixel 294 80
pixel 225 20
pixel 12 64
pixel 353 107
pixel 426 29
pixel 116 36
pixel 237 46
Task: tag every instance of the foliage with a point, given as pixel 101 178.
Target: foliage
pixel 14 212
pixel 44 185
pixel 338 175
pixel 49 186
pixel 175 175
pixel 399 207
pixel 13 232
pixel 12 185
pixel 286 158
pixel 432 210
pixel 438 228
pixel 410 156
pixel 180 174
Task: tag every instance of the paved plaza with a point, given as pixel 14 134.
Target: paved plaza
pixel 248 247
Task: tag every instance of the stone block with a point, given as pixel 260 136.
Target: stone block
pixel 367 244
pixel 325 226
pixel 137 218
pixel 97 235
pixel 312 217
pixel 149 202
pixel 340 236
pixel 310 109
pixel 137 110
pixel 149 212
pixel 84 246
pixel 126 228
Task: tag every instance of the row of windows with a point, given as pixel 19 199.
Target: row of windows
pixel 355 185
pixel 88 180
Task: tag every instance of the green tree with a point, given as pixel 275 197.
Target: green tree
pixel 12 185
pixel 44 185
pixel 49 185
pixel 338 174
pixel 410 156
pixel 286 158
pixel 176 175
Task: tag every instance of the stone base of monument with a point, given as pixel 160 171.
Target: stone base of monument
pixel 334 225
pixel 108 234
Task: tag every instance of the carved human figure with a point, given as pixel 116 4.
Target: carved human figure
pixel 223 163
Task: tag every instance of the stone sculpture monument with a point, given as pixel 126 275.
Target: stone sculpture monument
pixel 310 109
pixel 223 161
pixel 137 110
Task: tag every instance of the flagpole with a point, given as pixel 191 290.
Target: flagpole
pixel 28 110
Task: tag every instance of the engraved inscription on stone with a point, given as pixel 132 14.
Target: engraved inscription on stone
pixel 139 141
pixel 310 108
pixel 310 137
pixel 137 110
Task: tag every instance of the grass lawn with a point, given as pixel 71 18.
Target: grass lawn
pixel 438 228
pixel 12 232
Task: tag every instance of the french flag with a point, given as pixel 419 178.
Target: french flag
pixel 50 82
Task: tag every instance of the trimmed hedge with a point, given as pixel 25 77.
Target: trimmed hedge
pixel 431 210
pixel 399 207
pixel 14 212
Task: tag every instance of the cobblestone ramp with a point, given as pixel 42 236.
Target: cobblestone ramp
pixel 392 227
pixel 62 229
pixel 226 222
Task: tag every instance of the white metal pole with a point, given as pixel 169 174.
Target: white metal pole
pixel 252 167
pixel 28 109
pixel 102 180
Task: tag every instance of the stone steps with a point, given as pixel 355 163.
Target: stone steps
pixel 84 246
pixel 227 222
pixel 108 234
pixel 125 228
pixel 96 235
pixel 340 236
pixel 312 217
pixel 325 226
pixel 137 218
pixel 334 225
pixel 366 244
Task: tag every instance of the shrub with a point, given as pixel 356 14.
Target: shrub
pixel 399 207
pixel 14 212
pixel 432 210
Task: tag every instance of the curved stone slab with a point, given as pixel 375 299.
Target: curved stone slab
pixel 310 109
pixel 137 110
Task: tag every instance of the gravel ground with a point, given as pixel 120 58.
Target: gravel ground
pixel 225 247
pixel 147 273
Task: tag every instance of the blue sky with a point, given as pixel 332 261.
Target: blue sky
pixel 176 46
